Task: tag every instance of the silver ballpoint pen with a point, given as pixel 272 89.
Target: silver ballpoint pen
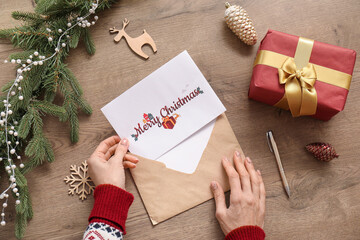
pixel 274 149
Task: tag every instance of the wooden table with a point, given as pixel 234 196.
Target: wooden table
pixel 325 196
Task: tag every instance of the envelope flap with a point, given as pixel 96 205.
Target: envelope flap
pixel 166 192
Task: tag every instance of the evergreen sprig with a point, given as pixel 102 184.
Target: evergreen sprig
pixel 41 85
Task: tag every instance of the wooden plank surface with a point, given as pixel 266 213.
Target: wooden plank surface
pixel 325 196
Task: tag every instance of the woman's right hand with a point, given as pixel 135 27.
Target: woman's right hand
pixel 247 197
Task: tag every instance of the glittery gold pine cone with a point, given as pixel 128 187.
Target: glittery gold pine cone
pixel 239 22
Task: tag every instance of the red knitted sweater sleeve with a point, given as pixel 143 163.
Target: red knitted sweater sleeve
pixel 246 233
pixel 111 206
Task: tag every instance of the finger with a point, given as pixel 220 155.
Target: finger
pixel 105 145
pixel 128 164
pixel 244 175
pixel 110 152
pixel 233 176
pixel 120 152
pixel 262 192
pixel 219 197
pixel 131 158
pixel 254 177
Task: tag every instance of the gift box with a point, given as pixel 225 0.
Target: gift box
pixel 168 122
pixel 301 75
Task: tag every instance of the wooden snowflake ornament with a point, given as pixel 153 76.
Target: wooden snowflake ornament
pixel 79 181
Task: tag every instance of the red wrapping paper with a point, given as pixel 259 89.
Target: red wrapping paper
pixel 169 123
pixel 265 86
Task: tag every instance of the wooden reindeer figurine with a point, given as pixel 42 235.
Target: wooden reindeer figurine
pixel 134 43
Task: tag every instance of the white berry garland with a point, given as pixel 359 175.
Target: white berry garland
pixel 34 59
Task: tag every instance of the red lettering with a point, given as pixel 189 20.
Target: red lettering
pixel 163 111
pixel 139 130
pixel 192 95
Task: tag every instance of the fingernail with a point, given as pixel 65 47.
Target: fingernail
pixel 248 160
pixel 124 141
pixel 258 171
pixel 213 186
pixel 237 153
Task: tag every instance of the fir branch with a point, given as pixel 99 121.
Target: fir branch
pixel 49 108
pixel 6 33
pixel 21 55
pixel 67 73
pixel 84 106
pixel 25 125
pixel 7 86
pixel 75 37
pixel 38 149
pixel 89 43
pixel 28 17
pixel 40 86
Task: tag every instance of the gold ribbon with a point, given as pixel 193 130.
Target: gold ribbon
pixel 299 76
pixel 299 87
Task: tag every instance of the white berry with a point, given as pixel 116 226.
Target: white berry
pixel 21 77
pixel 2 114
pixel 5 61
pixel 60 30
pixel 18 61
pixel 22 165
pixel 3 223
pixel 19 70
pixel 4 205
pixel 15 190
pixel 69 24
pixel 96 17
pixel 12 93
pixel 28 61
pixel 17 202
pixel 13 61
pixel 11 132
pixel 41 62
pixel 36 53
pixel 50 39
pixel 21 98
pixel 12 151
pixel 10 112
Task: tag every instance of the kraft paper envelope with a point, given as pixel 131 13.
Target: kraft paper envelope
pixel 166 192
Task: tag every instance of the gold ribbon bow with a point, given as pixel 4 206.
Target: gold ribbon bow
pixel 299 87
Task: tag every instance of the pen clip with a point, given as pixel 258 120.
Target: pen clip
pixel 269 135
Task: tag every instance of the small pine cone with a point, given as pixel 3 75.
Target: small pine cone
pixel 239 22
pixel 322 151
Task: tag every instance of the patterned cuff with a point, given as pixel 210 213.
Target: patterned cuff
pixel 111 206
pixel 99 230
pixel 246 232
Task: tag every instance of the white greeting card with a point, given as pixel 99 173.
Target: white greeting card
pixel 164 109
